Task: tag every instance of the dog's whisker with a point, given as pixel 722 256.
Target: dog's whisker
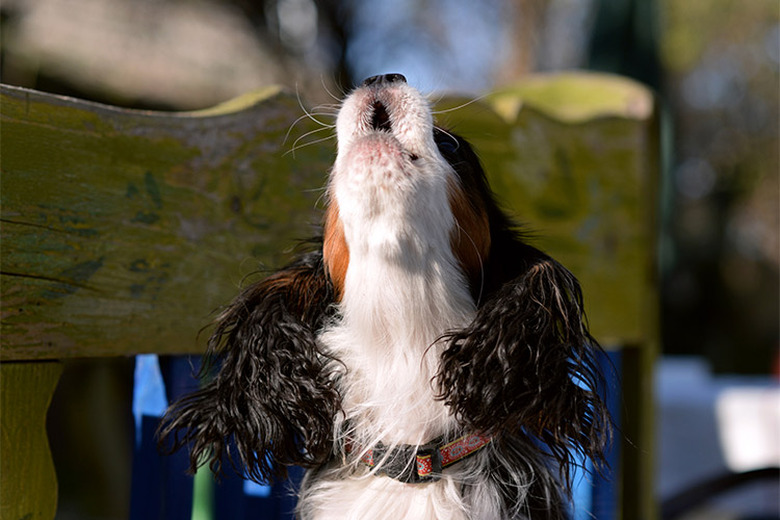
pixel 337 98
pixel 458 107
pixel 307 114
pixel 323 193
pixel 295 147
pixel 310 116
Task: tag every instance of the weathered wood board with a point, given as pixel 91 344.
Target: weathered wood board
pixel 123 230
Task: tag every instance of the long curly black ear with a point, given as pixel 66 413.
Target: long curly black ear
pixel 272 402
pixel 526 363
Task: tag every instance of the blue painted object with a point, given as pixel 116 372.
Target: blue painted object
pixel 161 487
pixel 595 496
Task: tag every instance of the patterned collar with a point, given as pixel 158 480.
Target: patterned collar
pixel 418 464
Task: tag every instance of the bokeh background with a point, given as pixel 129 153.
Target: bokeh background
pixel 714 65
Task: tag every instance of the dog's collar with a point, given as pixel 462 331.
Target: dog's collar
pixel 417 464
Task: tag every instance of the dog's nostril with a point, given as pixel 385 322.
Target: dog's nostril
pixel 395 78
pixel 384 79
pixel 370 81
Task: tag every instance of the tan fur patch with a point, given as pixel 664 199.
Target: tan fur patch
pixel 335 251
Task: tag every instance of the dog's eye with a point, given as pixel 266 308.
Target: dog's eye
pixel 447 145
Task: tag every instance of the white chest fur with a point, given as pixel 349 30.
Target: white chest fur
pixel 402 290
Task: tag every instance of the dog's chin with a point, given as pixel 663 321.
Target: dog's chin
pixel 376 157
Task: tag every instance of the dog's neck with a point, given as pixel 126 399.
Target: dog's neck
pixel 402 290
pixel 403 287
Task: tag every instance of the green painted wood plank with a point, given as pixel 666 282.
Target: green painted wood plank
pixel 28 483
pixel 123 230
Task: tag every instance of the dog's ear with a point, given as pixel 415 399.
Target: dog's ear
pixel 526 365
pixel 272 401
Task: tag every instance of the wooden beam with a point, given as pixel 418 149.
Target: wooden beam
pixel 123 230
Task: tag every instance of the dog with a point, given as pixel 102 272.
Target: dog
pixel 423 361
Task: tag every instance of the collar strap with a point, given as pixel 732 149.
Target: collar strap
pixel 414 464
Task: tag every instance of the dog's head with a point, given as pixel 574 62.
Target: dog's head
pixel 402 185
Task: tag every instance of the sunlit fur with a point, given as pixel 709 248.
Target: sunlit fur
pixel 422 314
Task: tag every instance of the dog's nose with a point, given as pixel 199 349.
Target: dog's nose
pixel 383 79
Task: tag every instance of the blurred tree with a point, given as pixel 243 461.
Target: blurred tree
pixel 625 40
pixel 525 20
pixel 720 279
